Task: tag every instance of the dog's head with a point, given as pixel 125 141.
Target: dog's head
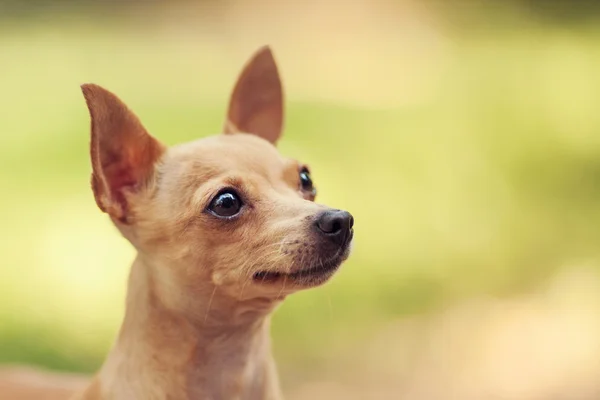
pixel 226 210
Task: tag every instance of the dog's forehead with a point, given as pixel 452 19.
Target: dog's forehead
pixel 226 153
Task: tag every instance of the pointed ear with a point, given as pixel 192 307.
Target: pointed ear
pixel 123 153
pixel 256 105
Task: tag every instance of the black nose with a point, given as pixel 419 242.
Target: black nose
pixel 336 225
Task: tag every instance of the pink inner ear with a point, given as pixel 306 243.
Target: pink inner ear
pixel 128 170
pixel 121 177
pixel 123 153
pixel 130 162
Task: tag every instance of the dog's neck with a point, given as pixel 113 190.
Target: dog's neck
pixel 163 352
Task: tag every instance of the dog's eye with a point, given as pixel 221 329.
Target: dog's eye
pixel 225 204
pixel 305 180
pixel 307 188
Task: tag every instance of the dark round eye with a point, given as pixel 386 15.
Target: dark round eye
pixel 305 180
pixel 225 204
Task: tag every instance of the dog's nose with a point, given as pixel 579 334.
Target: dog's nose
pixel 336 225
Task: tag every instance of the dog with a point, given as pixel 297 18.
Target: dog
pixel 225 228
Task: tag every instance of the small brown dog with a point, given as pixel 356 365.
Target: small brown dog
pixel 225 228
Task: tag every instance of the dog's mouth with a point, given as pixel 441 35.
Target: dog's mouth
pixel 313 274
pixel 322 269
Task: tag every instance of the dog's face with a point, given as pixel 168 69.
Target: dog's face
pixel 226 211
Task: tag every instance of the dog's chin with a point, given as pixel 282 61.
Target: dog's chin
pixel 313 274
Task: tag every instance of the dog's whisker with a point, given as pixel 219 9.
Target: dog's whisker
pixel 283 286
pixel 210 300
pixel 263 257
pixel 241 296
pixel 247 267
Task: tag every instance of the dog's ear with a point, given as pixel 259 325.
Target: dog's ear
pixel 123 153
pixel 256 105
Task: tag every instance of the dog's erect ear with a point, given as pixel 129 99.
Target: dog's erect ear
pixel 123 153
pixel 256 105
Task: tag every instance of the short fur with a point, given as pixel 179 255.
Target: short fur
pixel 202 288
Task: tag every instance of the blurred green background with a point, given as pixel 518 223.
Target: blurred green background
pixel 463 136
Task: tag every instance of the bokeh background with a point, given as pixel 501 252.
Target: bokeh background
pixel 463 136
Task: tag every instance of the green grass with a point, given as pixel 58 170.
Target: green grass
pixel 484 188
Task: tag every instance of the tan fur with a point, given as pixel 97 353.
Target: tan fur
pixel 197 317
pixel 29 384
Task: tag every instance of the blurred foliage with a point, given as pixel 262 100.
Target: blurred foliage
pixel 486 186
